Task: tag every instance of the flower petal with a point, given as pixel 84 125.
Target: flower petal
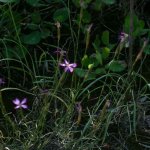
pixel 73 65
pixel 66 62
pixel 24 106
pixel 24 101
pixel 71 69
pixel 16 101
pixel 62 64
pixel 17 107
pixel 66 69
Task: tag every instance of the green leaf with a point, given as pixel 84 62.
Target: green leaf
pixel 105 53
pixel 45 33
pixel 144 31
pixel 6 1
pixel 111 46
pixel 147 49
pixel 86 17
pixel 97 5
pixel 116 66
pixel 109 2
pixel 141 23
pixel 105 37
pixel 32 2
pixel 97 41
pixel 127 23
pixel 92 59
pixel 36 18
pixel 99 57
pixel 61 15
pixel 81 73
pixel 32 38
pixel 33 26
pixel 85 61
pixel 100 71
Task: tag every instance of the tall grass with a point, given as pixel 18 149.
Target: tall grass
pixel 67 111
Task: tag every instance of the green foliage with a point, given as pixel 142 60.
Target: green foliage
pixel 36 18
pixel 6 1
pixel 105 37
pixel 86 17
pixel 61 15
pixel 97 41
pixel 97 5
pixel 116 66
pixel 109 2
pixel 33 38
pixel 105 53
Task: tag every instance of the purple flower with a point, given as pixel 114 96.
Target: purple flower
pixel 79 108
pixel 1 81
pixel 46 92
pixel 68 66
pixel 123 36
pixel 81 3
pixel 60 52
pixel 20 104
pixel 57 24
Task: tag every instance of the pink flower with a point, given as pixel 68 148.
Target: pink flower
pixel 123 36
pixel 57 24
pixel 20 104
pixel 60 52
pixel 1 81
pixel 68 66
pixel 89 28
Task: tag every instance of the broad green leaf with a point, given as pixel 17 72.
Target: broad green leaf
pixel 85 61
pixel 82 73
pixel 92 59
pixel 100 71
pixel 76 2
pixel 111 46
pixel 33 26
pixel 105 53
pixel 86 17
pixel 6 1
pixel 97 41
pixel 61 15
pixel 32 2
pixel 99 57
pixel 90 65
pixel 141 23
pixel 144 31
pixel 147 49
pixel 97 5
pixel 127 23
pixel 36 18
pixel 105 37
pixel 32 38
pixel 109 2
pixel 45 33
pixel 116 66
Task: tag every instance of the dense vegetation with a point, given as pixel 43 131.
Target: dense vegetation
pixel 74 75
